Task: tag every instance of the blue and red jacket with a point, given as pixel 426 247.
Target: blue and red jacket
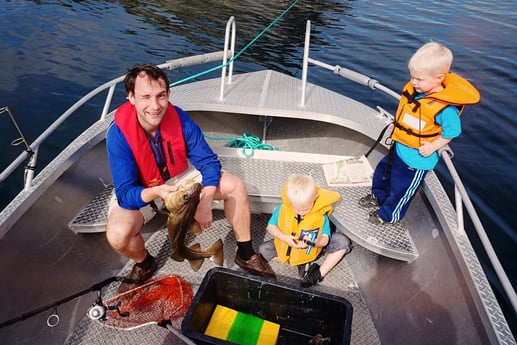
pixel 130 168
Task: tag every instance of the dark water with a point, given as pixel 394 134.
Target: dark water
pixel 54 52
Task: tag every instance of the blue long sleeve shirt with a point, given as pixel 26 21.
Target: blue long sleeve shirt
pixel 124 169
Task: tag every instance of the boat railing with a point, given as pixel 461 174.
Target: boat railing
pixel 31 152
pixel 462 198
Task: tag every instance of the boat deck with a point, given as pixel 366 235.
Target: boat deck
pixel 339 282
pixel 390 240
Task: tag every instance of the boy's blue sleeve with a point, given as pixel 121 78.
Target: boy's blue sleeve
pixel 449 119
pixel 274 216
pixel 326 227
pixel 199 152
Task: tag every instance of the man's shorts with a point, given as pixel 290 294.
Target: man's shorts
pixel 148 211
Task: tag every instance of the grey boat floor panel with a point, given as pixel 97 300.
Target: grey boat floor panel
pixel 340 282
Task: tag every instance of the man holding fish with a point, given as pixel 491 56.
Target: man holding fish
pixel 151 141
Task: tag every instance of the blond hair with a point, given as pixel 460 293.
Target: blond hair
pixel 300 189
pixel 432 57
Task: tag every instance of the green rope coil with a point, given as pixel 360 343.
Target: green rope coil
pixel 247 142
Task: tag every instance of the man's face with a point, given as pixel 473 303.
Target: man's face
pixel 150 99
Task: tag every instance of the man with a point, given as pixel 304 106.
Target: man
pixel 149 142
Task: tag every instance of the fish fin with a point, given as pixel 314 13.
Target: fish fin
pixel 177 257
pixel 195 228
pixel 196 263
pixel 218 253
pixel 196 247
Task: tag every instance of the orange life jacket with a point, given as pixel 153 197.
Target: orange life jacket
pixel 311 223
pixel 173 144
pixel 415 119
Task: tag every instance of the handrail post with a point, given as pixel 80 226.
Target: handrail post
pixel 229 24
pixel 305 66
pixel 29 169
pixel 459 209
pixel 107 103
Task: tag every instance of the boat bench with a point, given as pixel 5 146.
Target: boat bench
pixel 264 175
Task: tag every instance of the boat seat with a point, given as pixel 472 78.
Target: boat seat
pixel 94 216
pixel 264 175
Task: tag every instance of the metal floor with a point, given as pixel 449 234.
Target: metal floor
pixel 340 281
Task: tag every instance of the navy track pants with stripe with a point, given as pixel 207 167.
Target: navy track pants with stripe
pixel 395 186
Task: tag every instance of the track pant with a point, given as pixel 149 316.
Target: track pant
pixel 395 185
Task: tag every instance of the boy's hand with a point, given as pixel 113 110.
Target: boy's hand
pixel 295 242
pixel 426 149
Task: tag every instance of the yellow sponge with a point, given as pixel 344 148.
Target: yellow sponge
pixel 241 328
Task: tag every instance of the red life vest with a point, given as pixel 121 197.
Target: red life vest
pixel 173 144
pixel 415 119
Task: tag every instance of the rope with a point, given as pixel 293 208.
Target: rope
pixel 248 142
pixel 241 51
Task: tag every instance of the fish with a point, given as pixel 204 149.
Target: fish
pixel 182 205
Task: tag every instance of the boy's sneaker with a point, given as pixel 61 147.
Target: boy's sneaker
pixel 302 270
pixel 368 201
pixel 138 276
pixel 312 277
pixel 374 218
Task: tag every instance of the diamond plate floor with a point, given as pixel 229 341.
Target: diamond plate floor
pixel 340 281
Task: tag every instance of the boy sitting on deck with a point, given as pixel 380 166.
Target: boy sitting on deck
pixel 301 229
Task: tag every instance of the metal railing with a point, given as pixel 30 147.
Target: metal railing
pixel 31 152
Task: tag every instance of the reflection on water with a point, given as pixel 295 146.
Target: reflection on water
pixel 51 53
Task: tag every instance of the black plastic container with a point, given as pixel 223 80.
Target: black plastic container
pixel 301 313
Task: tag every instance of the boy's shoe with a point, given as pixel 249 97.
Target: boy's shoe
pixel 138 275
pixel 368 201
pixel 312 277
pixel 374 218
pixel 255 265
pixel 302 270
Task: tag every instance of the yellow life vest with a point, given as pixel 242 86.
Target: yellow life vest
pixel 312 223
pixel 415 119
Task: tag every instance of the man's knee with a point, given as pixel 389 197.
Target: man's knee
pixel 122 226
pixel 233 185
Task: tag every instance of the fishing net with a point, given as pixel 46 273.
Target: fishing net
pixel 159 299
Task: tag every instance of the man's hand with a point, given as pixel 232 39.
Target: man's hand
pixel 204 210
pixel 161 191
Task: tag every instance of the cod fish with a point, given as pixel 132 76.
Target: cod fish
pixel 182 206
